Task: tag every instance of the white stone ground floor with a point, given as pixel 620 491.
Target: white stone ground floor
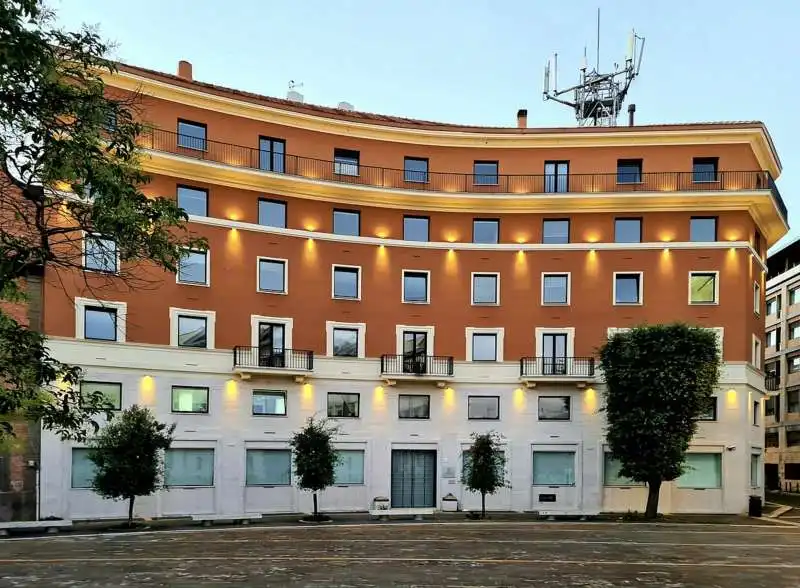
pixel 403 440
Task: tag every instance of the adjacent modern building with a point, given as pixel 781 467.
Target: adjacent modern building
pixel 417 282
pixel 782 366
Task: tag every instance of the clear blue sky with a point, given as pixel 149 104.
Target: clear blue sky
pixel 478 61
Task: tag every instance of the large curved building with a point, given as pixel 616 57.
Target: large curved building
pixel 418 282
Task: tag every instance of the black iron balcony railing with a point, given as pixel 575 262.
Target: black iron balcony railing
pixel 772 382
pixel 352 172
pixel 556 366
pixel 416 365
pixel 273 358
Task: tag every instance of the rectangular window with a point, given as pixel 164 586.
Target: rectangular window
pixel 627 288
pixel 555 289
pixel 483 408
pixel 272 154
pixel 485 230
pixel 553 468
pixel 192 135
pixel 82 468
pixel 774 306
pixel 701 471
pixel 703 288
pixel 772 438
pixel 611 475
pixel 346 282
pixel 710 414
pixel 193 268
pixel 415 286
pixel 794 331
pixel 484 347
pixel 189 467
pixel 793 364
pixel 628 230
pixel 554 354
pixel 415 169
pixel 794 296
pixel 190 399
pixel 556 176
pixel 111 391
pixel 345 342
pixel 413 406
pixel 269 402
pixel 772 407
pixel 629 171
pixel 345 162
pixel 193 200
pixel 268 467
pixel 774 339
pixel 756 353
pixel 100 323
pixel 703 229
pixel 192 331
pixel 554 408
pixel 416 228
pixel 485 288
pixel 555 231
pixel 272 213
pixel 792 440
pixel 349 470
pixel 347 222
pixel 704 169
pixel 500 465
pixel 756 298
pixel 485 173
pixel 272 276
pixel 342 405
pixel 756 413
pixel 755 470
pixel 100 254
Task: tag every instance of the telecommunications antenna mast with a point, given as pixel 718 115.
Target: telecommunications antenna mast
pixel 597 98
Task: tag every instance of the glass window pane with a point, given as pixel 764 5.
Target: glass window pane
pixel 413 406
pixel 415 287
pixel 192 331
pixel 484 347
pixel 704 170
pixel 415 228
pixel 703 288
pixel 415 170
pixel 485 231
pixel 112 391
pixel 342 405
pixel 702 470
pixel 193 200
pixel 191 135
pixel 755 470
pixel 554 408
pixel 626 289
pixel 269 403
pixel 271 155
pixel 553 468
pixel 101 254
pixel 350 467
pixel 268 467
pixel 484 289
pixel 82 468
pixel 483 407
pixel 485 172
pixel 192 268
pixel 345 282
pixel 346 223
pixel 703 229
pixel 710 414
pixel 271 275
pixel 272 213
pixel 100 324
pixel 345 342
pixel 555 289
pixel 555 232
pixel 189 467
pixel 629 171
pixel 556 176
pixel 627 230
pixel 345 162
pixel 189 399
pixel 611 475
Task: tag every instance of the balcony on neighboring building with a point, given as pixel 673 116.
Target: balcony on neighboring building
pixel 772 382
pixel 580 370
pixel 353 172
pixel 438 368
pixel 250 361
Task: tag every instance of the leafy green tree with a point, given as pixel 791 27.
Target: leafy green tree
pixel 69 164
pixel 127 454
pixel 315 458
pixel 659 380
pixel 484 466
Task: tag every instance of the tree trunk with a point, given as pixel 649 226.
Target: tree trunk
pixel 130 510
pixel 653 490
pixel 316 515
pixel 483 505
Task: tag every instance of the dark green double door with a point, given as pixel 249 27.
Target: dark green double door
pixel 413 478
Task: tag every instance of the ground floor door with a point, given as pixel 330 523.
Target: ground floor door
pixel 771 479
pixel 413 478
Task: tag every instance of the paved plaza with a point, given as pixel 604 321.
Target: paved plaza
pixel 596 555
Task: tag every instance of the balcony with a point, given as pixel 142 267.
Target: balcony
pixel 772 382
pixel 438 368
pixel 451 182
pixel 579 370
pixel 250 361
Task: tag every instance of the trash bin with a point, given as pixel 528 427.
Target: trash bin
pixel 755 506
pixel 449 503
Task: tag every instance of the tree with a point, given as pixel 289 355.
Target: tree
pixel 315 458
pixel 659 380
pixel 127 455
pixel 69 165
pixel 484 466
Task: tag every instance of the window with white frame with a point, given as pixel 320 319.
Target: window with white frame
pixel 553 468
pixel 757 355
pixel 83 469
pixel 111 392
pixel 555 288
pixel 757 298
pixel 192 328
pixel 349 469
pixel 703 287
pixel 100 254
pixel 272 275
pixel 416 286
pixel 100 320
pixel 193 268
pixel 486 288
pixel 628 288
pixel 701 471
pixel 268 467
pixel 484 347
pixel 190 399
pixel 755 470
pixel 345 339
pixel 346 282
pixel 756 413
pixel 269 402
pixel 188 467
pixel 483 407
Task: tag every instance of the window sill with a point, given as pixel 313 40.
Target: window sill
pixel 628 303
pixel 278 292
pixel 346 298
pixel 541 420
pixel 263 486
pixel 85 338
pixel 206 413
pixel 483 418
pixel 703 303
pixel 105 272
pixel 485 303
pixel 201 284
pixel 555 303
pixel 402 418
pixel 535 485
pixel 282 416
pixel 416 301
